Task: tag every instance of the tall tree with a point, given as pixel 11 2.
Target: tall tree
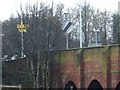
pixel 116 30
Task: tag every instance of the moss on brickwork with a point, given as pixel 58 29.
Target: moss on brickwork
pixel 103 64
pixel 63 58
pixel 114 55
pixel 79 56
pixel 105 53
pixel 96 54
pixel 57 57
pixel 66 56
pixel 92 54
pixel 106 48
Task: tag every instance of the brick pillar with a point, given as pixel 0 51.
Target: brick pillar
pixel 82 70
pixel 107 57
pixel 119 63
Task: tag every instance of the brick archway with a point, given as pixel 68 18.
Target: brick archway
pixel 95 84
pixel 70 85
pixel 117 86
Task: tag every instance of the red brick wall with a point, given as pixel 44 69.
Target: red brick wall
pixel 84 65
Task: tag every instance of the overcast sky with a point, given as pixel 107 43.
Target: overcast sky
pixel 8 7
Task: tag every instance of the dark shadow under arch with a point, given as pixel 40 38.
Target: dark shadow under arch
pixel 95 85
pixel 118 86
pixel 70 84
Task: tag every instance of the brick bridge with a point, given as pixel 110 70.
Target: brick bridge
pixel 82 66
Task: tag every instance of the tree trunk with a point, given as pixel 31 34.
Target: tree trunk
pixel 37 75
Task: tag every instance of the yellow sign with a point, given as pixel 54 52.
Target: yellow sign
pixel 22 26
pixel 22 30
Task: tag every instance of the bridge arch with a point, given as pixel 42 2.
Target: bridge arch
pixel 70 85
pixel 95 85
pixel 117 86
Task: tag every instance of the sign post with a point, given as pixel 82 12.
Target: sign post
pixel 22 28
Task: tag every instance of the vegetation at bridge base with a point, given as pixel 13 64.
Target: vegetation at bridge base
pixel 16 73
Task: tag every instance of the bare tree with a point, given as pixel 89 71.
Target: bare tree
pixel 44 34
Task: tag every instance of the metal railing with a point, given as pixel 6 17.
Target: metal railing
pixel 11 86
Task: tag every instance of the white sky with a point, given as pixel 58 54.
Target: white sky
pixel 8 7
